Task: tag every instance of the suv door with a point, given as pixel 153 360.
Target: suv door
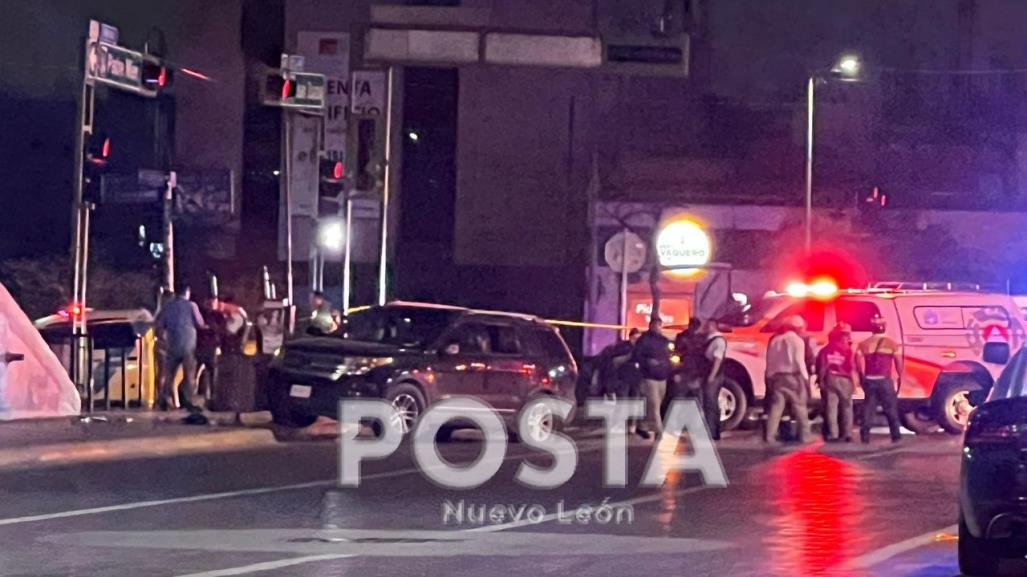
pixel 509 373
pixel 463 360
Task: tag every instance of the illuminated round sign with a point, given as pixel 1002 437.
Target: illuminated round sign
pixel 683 244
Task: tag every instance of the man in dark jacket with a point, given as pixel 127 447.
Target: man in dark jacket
pixel 652 353
pixel 613 377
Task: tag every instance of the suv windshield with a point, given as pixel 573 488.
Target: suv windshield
pixel 411 327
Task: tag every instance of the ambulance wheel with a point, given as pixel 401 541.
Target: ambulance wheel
pixel 954 407
pixel 733 404
pixel 919 421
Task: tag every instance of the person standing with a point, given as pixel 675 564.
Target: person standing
pixel 613 377
pixel 177 324
pixel 787 378
pixel 710 361
pixel 876 358
pixel 321 319
pixel 836 373
pixel 652 353
pixel 208 345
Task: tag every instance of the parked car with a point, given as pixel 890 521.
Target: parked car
pixel 413 354
pixel 993 480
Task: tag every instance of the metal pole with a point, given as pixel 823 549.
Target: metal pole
pixel 809 163
pixel 624 281
pixel 386 185
pixel 83 127
pixel 287 173
pixel 169 233
pixel 87 209
pixel 347 255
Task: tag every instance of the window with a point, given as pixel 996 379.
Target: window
pixel 811 311
pixel 551 345
pixel 858 314
pixel 399 326
pixel 473 339
pixel 503 340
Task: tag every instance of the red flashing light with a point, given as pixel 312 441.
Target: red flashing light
pixel 105 150
pixel 286 88
pixel 162 78
pixel 73 311
pixel 884 200
pixel 337 170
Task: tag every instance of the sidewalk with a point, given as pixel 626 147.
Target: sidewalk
pixel 121 435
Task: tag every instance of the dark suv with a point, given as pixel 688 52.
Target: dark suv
pixel 413 354
pixel 993 481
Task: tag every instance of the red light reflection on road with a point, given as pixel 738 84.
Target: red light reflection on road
pixel 817 518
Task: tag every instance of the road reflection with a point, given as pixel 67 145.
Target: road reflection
pixel 815 526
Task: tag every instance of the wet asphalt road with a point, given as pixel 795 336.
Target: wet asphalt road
pixel 275 511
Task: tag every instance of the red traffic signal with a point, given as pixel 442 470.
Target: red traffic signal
pixel 279 87
pixel 98 150
pixel 155 75
pixel 332 170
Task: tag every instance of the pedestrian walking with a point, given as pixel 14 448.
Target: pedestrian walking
pixel 652 353
pixel 177 324
pixel 836 374
pixel 787 379
pixel 876 358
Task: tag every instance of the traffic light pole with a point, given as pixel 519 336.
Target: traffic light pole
pixel 168 232
pixel 84 127
pixel 347 275
pixel 383 259
pixel 287 175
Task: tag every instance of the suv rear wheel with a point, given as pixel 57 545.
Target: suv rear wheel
pixel 540 423
pixel 976 556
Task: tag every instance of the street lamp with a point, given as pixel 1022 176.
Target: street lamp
pixel 848 68
pixel 331 234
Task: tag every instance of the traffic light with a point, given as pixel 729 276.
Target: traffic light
pixel 98 150
pixel 278 88
pixel 333 177
pixel 155 75
pixel 96 155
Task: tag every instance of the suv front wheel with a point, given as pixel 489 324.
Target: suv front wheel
pixel 408 405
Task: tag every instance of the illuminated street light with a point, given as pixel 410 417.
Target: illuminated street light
pixel 331 234
pixel 848 68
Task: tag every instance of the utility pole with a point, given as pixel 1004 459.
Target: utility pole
pixel 383 259
pixel 168 231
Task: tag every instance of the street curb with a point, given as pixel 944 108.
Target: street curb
pixel 203 441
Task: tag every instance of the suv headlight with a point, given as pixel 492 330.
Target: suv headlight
pixel 355 366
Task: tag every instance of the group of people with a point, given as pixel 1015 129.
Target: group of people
pixel 189 339
pixel 836 369
pixel 643 366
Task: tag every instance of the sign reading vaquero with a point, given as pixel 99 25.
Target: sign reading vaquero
pixel 683 244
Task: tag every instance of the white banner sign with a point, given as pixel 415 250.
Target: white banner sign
pixel 368 93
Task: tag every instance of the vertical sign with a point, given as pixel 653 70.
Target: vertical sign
pixel 304 176
pixel 328 53
pixel 367 93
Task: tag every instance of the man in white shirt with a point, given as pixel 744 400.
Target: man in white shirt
pixel 786 378
pixel 714 351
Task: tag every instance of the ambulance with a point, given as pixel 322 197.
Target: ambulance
pixel 955 342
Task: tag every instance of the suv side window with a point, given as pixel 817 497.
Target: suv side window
pixel 503 340
pixel 811 311
pixel 856 313
pixel 472 338
pixel 550 345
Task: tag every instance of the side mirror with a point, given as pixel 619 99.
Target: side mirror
pixel 996 353
pixel 452 349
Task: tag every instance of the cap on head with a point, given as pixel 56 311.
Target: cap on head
pixel 795 322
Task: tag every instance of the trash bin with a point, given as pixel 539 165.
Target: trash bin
pixel 236 389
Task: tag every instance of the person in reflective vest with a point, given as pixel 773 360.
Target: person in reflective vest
pixel 837 378
pixel 877 358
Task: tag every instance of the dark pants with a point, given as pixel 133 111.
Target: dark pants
pixel 879 391
pixel 710 393
pixel 208 379
pixel 836 395
pixel 787 391
pixel 187 388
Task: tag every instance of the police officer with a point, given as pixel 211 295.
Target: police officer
pixel 876 358
pixel 787 378
pixel 652 353
pixel 836 374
